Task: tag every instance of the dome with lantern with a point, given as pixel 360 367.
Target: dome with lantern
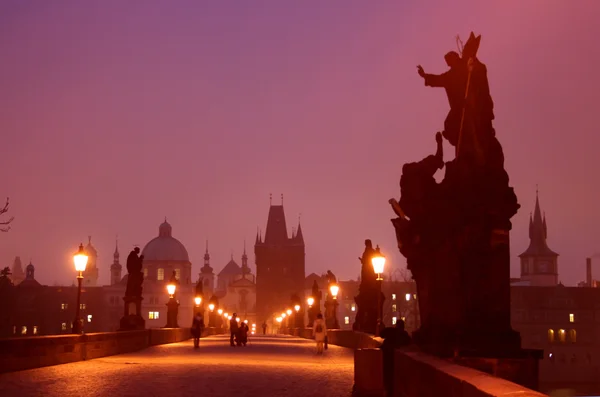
pixel 165 247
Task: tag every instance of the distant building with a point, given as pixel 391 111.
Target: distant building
pixel 539 264
pixel 18 274
pixel 279 265
pixel 90 276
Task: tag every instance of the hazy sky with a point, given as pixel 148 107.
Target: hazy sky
pixel 115 114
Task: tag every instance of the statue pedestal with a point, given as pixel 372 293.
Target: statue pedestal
pixel 130 320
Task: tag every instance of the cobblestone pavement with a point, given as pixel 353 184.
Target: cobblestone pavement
pixel 268 366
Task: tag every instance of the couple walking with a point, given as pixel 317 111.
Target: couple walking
pixel 238 332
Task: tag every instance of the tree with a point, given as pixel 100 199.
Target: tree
pixel 5 225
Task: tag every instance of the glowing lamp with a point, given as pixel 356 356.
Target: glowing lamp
pixel 246 321
pixel 378 262
pixel 197 300
pixel 334 289
pixel 237 319
pixel 229 318
pixel 226 315
pixel 283 315
pixel 220 311
pixel 80 259
pixel 279 319
pixel 171 289
pixel 289 312
pixel 297 308
pixel 211 307
pixel 310 301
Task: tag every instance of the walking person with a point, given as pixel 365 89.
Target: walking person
pixel 319 332
pixel 197 328
pixel 264 327
pixel 233 329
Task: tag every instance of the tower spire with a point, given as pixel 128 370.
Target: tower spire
pixel 270 198
pixel 281 198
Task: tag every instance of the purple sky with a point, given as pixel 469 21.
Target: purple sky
pixel 115 114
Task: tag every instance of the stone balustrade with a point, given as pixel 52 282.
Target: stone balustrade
pixel 416 374
pixel 40 351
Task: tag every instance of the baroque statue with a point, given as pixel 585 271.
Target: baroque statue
pixel 455 233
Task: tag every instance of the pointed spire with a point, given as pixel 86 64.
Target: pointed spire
pixel 116 254
pixel 244 246
pixel 281 198
pixel 89 240
pixel 299 236
pixel 206 246
pixel 257 238
pixel 270 198
pixel 538 232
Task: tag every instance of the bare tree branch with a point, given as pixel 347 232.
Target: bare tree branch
pixel 5 225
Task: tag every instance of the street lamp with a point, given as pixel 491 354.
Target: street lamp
pixel 172 305
pixel 378 262
pixel 297 308
pixel 289 312
pixel 334 289
pixel 310 301
pixel 80 259
pixel 220 311
pixel 171 287
pixel 197 301
pixel 211 306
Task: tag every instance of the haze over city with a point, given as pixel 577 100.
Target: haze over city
pixel 118 114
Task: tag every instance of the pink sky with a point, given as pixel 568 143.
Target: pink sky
pixel 116 114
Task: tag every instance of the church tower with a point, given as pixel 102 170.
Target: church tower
pixel 245 268
pixel 115 268
pixel 539 264
pixel 90 276
pixel 207 276
pixel 18 274
pixel 279 265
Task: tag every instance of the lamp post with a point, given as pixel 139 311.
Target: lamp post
pixel 80 259
pixel 334 289
pixel 378 262
pixel 289 317
pixel 172 305
pixel 297 319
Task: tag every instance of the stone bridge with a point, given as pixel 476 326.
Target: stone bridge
pixel 163 362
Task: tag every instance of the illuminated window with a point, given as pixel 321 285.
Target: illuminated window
pixel 353 308
pixel 346 320
pixel 394 307
pixel 403 318
pixel 153 315
pixel 14 329
pixel 35 329
pixel 145 272
pixel 89 318
pixel 550 335
pixel 394 320
pixel 393 297
pixel 562 335
pixel 63 306
pixel 24 330
pixel 407 296
pixel 415 296
pixel 82 306
pixel 156 315
pixel 63 326
pixel 573 335
pixel 177 274
pixel 161 274
pixel 571 318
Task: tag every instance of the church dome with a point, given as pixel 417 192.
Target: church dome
pixel 165 247
pixel 90 249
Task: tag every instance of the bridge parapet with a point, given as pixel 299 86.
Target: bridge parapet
pixel 416 374
pixel 22 353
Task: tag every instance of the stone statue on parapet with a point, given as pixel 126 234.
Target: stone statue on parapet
pixel 454 234
pixel 135 276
